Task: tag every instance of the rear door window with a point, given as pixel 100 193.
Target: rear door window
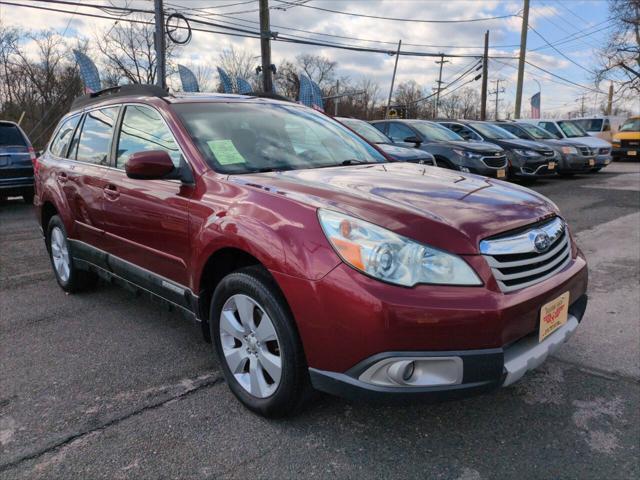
pixel 94 145
pixel 62 140
pixel 10 136
pixel 142 130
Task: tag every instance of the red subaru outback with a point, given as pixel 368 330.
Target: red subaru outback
pixel 309 260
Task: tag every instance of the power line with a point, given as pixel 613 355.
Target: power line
pixel 359 39
pixel 573 37
pixel 564 79
pixel 562 54
pixel 414 20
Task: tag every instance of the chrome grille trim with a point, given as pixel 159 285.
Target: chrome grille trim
pixel 505 253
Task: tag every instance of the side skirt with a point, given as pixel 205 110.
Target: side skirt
pixel 115 270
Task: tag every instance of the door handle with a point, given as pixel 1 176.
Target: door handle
pixel 111 192
pixel 62 177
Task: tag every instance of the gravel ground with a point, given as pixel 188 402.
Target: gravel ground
pixel 105 384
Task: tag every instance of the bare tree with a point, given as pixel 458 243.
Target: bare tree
pixel 407 94
pixel 620 59
pixel 240 63
pixel 319 69
pixel 286 80
pixel 129 52
pixel 42 84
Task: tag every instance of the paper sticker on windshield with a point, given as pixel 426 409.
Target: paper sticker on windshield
pixel 225 152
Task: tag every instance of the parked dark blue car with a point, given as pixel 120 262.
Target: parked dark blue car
pixel 16 162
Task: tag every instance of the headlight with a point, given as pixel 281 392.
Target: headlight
pixel 569 150
pixel 467 153
pixel 615 142
pixel 526 153
pixel 391 257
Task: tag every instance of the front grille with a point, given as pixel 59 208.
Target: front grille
pixel 630 143
pixel 586 151
pixel 516 262
pixel 604 151
pixel 495 162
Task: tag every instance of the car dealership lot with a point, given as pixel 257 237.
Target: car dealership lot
pixel 105 384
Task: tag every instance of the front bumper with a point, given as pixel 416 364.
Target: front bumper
pixel 532 167
pixel 10 187
pixel 482 370
pixel 603 160
pixel 576 163
pixel 626 152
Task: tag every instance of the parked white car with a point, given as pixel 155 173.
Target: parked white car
pixel 600 126
pixel 570 130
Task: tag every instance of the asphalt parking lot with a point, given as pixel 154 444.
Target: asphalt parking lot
pixel 105 384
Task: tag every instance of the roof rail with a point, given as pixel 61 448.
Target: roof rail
pixel 119 91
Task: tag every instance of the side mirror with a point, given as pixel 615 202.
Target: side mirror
pixel 413 139
pixel 150 165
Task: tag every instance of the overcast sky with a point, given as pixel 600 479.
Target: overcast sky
pixel 553 19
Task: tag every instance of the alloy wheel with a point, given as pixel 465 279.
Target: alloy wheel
pixel 250 345
pixel 60 254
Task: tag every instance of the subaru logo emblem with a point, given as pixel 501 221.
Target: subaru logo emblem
pixel 542 242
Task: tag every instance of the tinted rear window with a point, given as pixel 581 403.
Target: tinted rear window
pixel 10 136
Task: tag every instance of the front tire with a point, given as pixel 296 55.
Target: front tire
pixel 68 276
pixel 257 343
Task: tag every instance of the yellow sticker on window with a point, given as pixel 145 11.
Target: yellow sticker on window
pixel 225 152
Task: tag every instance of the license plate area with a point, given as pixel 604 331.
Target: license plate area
pixel 501 173
pixel 552 165
pixel 592 162
pixel 553 315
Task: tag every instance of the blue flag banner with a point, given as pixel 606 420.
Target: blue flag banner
pixel 305 95
pixel 88 72
pixel 535 105
pixel 227 84
pixel 244 87
pixel 188 79
pixel 317 96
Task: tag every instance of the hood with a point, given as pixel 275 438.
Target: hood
pixel 403 153
pixel 480 147
pixel 439 207
pixel 594 142
pixel 520 144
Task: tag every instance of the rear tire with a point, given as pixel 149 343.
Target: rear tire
pixel 257 343
pixel 68 276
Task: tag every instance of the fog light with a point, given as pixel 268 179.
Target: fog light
pixel 414 372
pixel 408 371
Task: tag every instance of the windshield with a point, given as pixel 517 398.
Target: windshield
pixel 570 129
pixel 253 137
pixel 365 129
pixel 492 131
pixel 590 124
pixel 631 125
pixel 537 132
pixel 436 133
pixel 10 136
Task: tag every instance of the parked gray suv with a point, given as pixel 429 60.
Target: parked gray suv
pixel 574 157
pixel 449 149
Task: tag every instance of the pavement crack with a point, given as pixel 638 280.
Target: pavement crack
pixel 597 372
pixel 196 385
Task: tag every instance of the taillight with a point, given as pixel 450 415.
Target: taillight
pixel 34 159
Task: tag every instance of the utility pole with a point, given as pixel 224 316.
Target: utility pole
pixel 441 62
pixel 610 99
pixel 523 50
pixel 485 75
pixel 337 99
pixel 393 79
pixel 582 111
pixel 497 92
pixel 160 44
pixel 265 46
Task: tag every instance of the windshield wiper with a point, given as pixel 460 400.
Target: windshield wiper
pixel 354 161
